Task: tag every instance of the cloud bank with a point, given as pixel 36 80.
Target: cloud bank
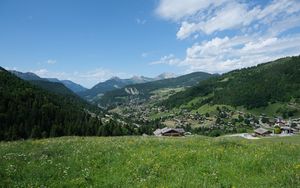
pixel 233 34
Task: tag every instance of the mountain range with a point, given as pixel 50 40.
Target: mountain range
pixel 89 94
pixel 115 83
pixel 33 77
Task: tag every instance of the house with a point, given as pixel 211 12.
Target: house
pixel 279 122
pixel 173 132
pixel 287 130
pixel 169 132
pixel 261 132
pixel 157 132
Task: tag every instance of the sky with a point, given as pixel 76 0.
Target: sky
pixel 89 41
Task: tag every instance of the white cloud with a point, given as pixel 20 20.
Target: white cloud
pixel 45 73
pixel 51 61
pixel 178 9
pixel 220 55
pixel 96 75
pixel 234 33
pixel 11 68
pixel 169 60
pixel 230 16
pixel 41 72
pixel 259 45
pixel 214 16
pixel 187 29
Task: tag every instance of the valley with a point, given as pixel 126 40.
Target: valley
pixel 240 101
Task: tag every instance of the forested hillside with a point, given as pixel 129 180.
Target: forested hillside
pixel 53 87
pixel 56 86
pixel 277 81
pixel 27 111
pixel 144 90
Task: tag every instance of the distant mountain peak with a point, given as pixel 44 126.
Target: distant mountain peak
pixel 29 76
pixel 26 76
pixel 137 78
pixel 165 75
pixel 115 78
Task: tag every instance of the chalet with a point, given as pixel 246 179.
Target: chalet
pixel 279 122
pixel 287 130
pixel 169 132
pixel 261 132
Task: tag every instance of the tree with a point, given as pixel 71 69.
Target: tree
pixel 277 130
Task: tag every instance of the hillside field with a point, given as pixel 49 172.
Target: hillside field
pixel 151 162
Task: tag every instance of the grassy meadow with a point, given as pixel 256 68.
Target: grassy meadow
pixel 151 162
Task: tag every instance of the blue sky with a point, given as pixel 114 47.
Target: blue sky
pixel 91 41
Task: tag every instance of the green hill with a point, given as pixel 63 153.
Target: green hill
pixel 254 87
pixel 53 87
pixel 27 111
pixel 151 162
pixel 143 90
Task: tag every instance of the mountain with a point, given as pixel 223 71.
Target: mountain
pixel 38 81
pixel 76 88
pixel 112 84
pixel 255 87
pixel 53 87
pixel 53 80
pixel 140 79
pixel 27 111
pixel 26 76
pixel 144 90
pixel 165 75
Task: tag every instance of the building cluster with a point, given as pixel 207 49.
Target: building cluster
pixel 279 126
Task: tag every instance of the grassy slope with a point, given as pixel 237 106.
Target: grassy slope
pixel 151 162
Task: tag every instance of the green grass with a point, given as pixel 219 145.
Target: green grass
pixel 269 110
pixel 154 116
pixel 151 162
pixel 211 109
pixel 272 109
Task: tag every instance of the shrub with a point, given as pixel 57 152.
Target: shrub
pixel 277 130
